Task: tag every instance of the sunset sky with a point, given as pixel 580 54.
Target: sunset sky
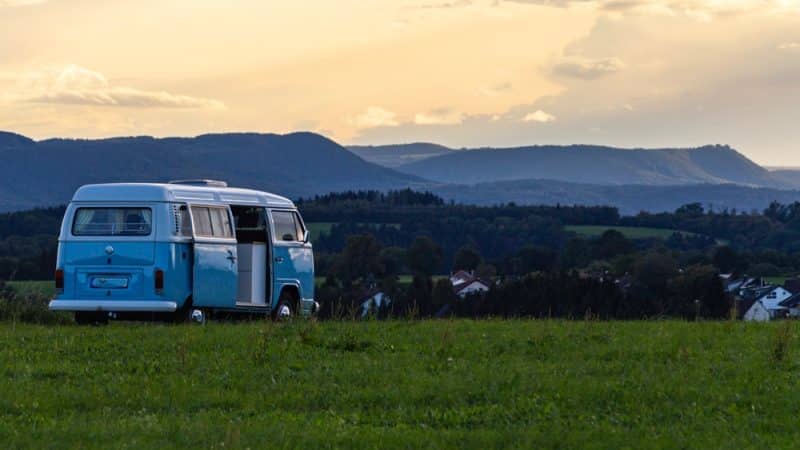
pixel 632 73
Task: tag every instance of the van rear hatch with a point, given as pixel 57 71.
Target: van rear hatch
pixel 111 269
pixel 111 253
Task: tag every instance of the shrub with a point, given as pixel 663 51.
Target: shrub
pixel 29 308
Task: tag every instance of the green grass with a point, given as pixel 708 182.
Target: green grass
pixel 401 279
pixel 316 229
pixel 780 281
pixel 629 232
pixel 431 384
pixel 43 288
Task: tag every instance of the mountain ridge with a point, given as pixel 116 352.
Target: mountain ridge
pixel 593 164
pixel 294 164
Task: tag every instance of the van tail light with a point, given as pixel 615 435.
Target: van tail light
pixel 159 280
pixel 59 281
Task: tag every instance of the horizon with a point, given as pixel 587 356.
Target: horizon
pixel 344 145
pixel 459 73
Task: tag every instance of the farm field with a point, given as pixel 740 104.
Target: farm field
pixel 403 384
pixel 628 232
pixel 44 288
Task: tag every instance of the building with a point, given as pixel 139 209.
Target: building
pixel 766 303
pixel 373 301
pixel 465 283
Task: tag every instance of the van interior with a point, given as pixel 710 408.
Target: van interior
pixel 254 255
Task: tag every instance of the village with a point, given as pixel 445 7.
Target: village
pixel 754 298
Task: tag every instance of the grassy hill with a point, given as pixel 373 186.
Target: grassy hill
pixel 441 384
pixel 629 232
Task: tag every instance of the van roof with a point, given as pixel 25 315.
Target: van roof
pixel 160 192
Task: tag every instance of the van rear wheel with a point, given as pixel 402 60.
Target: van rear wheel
pixel 91 318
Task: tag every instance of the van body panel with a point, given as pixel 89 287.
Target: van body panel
pixel 293 266
pixel 215 275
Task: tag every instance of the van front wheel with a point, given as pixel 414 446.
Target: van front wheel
pixel 285 309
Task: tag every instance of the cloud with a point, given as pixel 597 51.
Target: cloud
pixel 539 116
pixel 698 9
pixel 374 117
pixel 12 3
pixel 75 85
pixel 442 116
pixel 789 46
pixel 588 69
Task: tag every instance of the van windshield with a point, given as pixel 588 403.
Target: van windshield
pixel 112 222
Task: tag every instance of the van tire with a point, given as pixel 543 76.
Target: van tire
pixel 184 313
pixel 90 318
pixel 286 302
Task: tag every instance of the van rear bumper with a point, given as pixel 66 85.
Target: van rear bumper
pixel 112 306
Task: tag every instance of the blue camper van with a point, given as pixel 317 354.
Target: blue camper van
pixel 182 250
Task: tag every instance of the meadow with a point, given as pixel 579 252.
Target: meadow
pixel 400 384
pixel 628 232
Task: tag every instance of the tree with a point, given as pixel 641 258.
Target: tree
pixel 467 258
pixel 654 270
pixel 610 244
pixel 419 294
pixel 360 258
pixel 725 259
pixel 424 256
pixel 393 260
pixel 486 271
pixel 443 294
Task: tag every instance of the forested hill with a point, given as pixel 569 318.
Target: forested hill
pixel 46 173
pixel 594 165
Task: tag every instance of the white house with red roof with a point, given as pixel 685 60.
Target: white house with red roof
pixel 465 283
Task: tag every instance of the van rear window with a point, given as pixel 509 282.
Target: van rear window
pixel 112 222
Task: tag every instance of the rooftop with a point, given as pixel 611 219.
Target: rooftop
pixel 163 192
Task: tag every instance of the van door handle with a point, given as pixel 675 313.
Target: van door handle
pixel 231 257
pixel 279 259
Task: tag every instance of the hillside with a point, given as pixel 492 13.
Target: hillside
pixel 298 164
pixel 789 176
pixel 630 199
pixel 596 165
pixel 397 155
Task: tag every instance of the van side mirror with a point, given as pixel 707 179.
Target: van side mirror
pixel 288 237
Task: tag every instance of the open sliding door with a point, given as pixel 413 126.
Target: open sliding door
pixel 215 269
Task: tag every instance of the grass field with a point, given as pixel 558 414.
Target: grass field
pixel 440 384
pixel 44 288
pixel 316 229
pixel 629 232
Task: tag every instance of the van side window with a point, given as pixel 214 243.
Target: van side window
pixel 210 221
pixel 183 224
pixel 287 227
pixel 298 223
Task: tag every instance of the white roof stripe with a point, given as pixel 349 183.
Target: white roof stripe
pixel 159 192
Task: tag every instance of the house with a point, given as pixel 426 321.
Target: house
pixel 757 312
pixel 737 285
pixel 792 285
pixel 373 301
pixel 765 303
pixel 465 283
pixel 793 305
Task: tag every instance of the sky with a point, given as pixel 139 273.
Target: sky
pixel 463 73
